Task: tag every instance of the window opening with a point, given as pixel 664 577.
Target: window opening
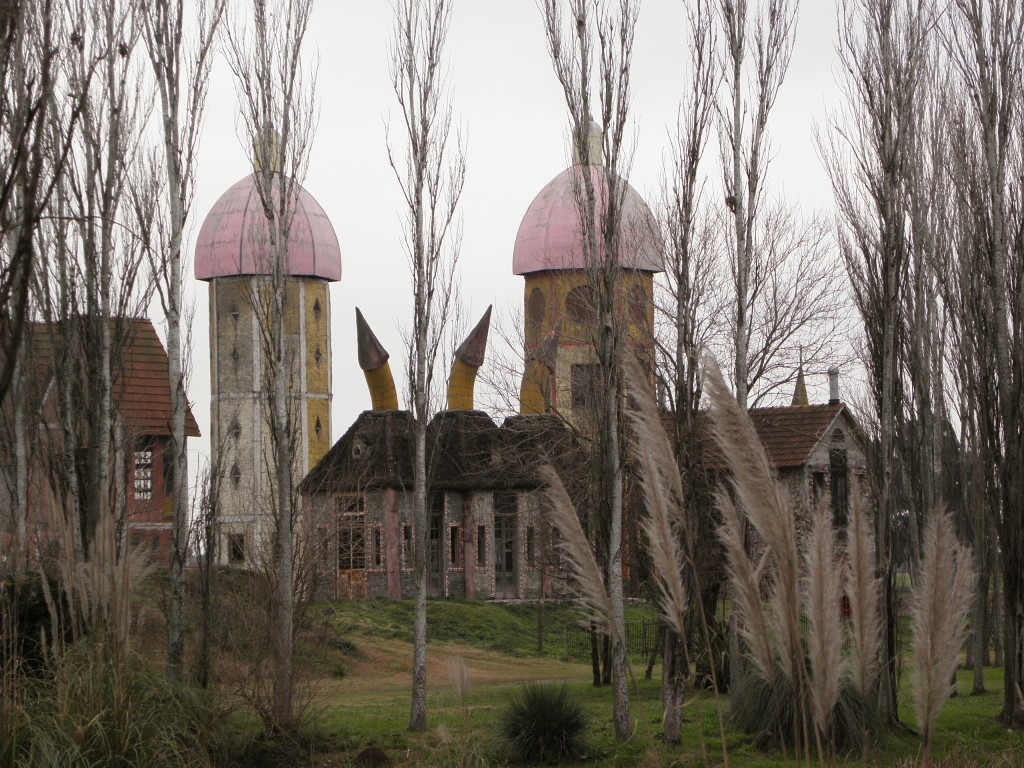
pixel 236 548
pixel 143 476
pixel 481 546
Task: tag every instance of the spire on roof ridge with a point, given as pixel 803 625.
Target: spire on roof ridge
pixel 800 390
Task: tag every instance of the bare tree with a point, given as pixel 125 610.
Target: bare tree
pixel 33 158
pixel 431 172
pixel 277 114
pixel 181 86
pixel 985 41
pixel 883 50
pixel 743 136
pixel 583 43
pixel 93 277
pixel 691 290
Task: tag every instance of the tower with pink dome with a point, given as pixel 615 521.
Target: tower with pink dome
pixel 232 255
pixel 559 314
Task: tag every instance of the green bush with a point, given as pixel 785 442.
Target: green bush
pixel 770 714
pixel 542 723
pixel 711 657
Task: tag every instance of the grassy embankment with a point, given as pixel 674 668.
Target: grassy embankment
pixel 362 669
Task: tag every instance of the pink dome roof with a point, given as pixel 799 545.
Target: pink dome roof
pixel 233 236
pixel 549 236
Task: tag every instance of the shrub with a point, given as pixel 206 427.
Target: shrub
pixel 542 723
pixel 711 657
pixel 770 714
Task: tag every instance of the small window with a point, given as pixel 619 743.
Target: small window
pixel 136 541
pixel 481 546
pixel 316 311
pixel 235 430
pixel 317 357
pixel 143 476
pixel 235 357
pixel 236 548
pixel 585 380
pixel 455 550
pixel 318 428
pixel 407 546
pixel 236 475
pixel 234 313
pixel 530 547
pixel 378 548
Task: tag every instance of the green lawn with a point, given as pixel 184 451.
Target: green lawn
pixel 367 701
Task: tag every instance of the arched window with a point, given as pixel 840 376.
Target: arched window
pixel 581 303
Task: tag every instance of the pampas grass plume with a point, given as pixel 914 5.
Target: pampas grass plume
pixel 822 595
pixel 579 557
pixel 862 591
pixel 664 496
pixel 939 605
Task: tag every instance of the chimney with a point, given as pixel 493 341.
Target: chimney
pixel 833 386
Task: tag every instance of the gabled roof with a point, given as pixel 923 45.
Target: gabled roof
pixel 143 388
pixel 142 391
pixel 788 434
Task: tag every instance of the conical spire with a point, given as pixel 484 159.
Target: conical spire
pixel 468 359
pixel 800 390
pixel 373 359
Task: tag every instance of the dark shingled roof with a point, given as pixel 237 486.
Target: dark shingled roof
pixel 375 452
pixel 788 434
pixel 467 451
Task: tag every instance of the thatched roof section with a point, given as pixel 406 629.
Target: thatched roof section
pixel 375 452
pixel 465 450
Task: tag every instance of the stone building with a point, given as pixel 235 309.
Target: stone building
pixel 232 255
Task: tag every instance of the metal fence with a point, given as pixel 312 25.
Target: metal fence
pixel 640 639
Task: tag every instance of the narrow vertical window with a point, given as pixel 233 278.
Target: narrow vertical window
pixel 407 546
pixel 378 549
pixel 455 548
pixel 143 474
pixel 481 546
pixel 530 554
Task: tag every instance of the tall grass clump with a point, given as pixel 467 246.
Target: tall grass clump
pixel 543 723
pixel 939 605
pixel 94 709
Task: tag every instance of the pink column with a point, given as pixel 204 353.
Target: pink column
pixel 392 544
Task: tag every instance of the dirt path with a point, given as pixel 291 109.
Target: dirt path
pixel 386 665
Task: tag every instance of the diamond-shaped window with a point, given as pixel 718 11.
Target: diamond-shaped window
pixel 234 313
pixel 318 428
pixel 236 475
pixel 235 357
pixel 316 310
pixel 317 356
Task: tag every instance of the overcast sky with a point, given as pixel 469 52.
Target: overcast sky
pixel 512 112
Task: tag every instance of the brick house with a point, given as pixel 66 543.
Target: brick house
pixel 142 429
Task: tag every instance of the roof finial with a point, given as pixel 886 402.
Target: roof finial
pixel 594 145
pixel 267 144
